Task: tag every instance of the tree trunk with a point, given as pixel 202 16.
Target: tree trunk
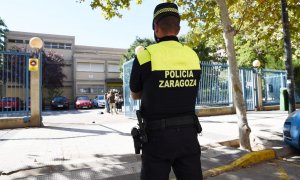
pixel 228 35
pixel 288 56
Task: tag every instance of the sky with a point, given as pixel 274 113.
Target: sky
pixel 68 17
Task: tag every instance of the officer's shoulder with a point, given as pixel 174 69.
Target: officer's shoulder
pixel 143 56
pixel 188 48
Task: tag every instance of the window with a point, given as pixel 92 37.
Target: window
pixel 15 41
pixel 54 45
pixel 11 40
pixel 97 67
pixel 83 67
pixel 61 45
pixel 90 67
pixel 47 44
pixel 113 68
pixel 68 46
pixel 19 41
pixel 84 89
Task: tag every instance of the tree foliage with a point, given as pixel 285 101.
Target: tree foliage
pixel 52 69
pixel 257 24
pixel 3 29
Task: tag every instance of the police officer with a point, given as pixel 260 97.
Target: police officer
pixel 165 76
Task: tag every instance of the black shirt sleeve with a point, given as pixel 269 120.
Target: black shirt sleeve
pixel 135 82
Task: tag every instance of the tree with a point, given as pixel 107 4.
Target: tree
pixel 257 20
pixel 52 73
pixel 52 69
pixel 3 29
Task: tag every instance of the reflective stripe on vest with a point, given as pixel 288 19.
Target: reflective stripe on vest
pixel 169 55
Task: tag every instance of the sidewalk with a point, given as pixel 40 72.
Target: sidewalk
pixel 89 145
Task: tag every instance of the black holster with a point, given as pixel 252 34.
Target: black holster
pixel 198 125
pixel 139 134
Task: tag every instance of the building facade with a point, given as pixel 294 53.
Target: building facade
pixel 89 70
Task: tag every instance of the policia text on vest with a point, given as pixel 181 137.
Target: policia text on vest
pixel 174 79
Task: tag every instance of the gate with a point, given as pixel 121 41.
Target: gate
pixel 248 86
pixel 14 82
pixel 214 86
pixel 272 81
pixel 130 104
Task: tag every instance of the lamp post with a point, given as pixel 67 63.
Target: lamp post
pixel 258 87
pixel 35 82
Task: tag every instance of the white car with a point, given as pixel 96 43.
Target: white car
pixel 99 101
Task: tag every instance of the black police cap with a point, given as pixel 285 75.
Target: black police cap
pixel 165 9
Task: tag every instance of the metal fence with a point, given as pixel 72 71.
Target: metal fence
pixel 272 81
pixel 14 81
pixel 248 81
pixel 214 85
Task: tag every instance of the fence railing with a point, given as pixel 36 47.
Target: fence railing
pixel 272 81
pixel 14 81
pixel 214 85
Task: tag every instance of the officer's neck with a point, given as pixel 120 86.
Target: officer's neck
pixel 168 38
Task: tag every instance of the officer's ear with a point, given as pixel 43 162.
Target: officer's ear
pixel 177 30
pixel 156 28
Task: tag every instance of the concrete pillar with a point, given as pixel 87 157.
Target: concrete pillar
pixel 35 119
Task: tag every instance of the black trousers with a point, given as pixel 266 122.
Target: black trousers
pixel 176 148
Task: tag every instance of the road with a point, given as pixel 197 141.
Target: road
pixel 95 145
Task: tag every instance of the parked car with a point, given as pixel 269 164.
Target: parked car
pixel 82 102
pixel 59 102
pixel 99 101
pixel 12 103
pixel 291 129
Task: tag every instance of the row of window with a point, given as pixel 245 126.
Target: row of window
pixel 20 41
pixel 90 89
pixel 47 44
pixel 55 45
pixel 97 67
pixel 84 89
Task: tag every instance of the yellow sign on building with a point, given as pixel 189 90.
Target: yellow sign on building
pixel 33 64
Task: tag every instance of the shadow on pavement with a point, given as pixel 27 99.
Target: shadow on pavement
pixel 123 167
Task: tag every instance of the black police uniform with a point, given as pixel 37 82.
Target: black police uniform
pixel 167 74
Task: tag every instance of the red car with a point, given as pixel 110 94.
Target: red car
pixel 13 103
pixel 83 102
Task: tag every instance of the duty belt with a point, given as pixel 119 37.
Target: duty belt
pixel 171 122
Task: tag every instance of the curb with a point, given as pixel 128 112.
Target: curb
pixel 244 161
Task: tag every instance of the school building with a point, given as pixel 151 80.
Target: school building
pixel 89 70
